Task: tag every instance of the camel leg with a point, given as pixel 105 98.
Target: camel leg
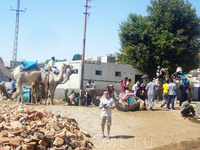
pixel 45 92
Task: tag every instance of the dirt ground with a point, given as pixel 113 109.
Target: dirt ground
pixel 160 129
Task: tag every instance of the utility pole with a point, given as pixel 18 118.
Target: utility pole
pixel 83 52
pixel 16 32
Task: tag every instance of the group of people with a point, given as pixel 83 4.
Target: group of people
pixel 137 89
pixel 169 94
pixel 89 85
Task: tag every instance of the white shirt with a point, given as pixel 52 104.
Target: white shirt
pixel 106 111
pixel 51 62
pixel 179 69
pixel 135 86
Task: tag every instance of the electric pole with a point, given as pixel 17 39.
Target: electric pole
pixel 83 51
pixel 16 32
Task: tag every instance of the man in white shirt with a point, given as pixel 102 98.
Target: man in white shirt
pixel 51 66
pixel 106 104
pixel 179 71
pixel 136 88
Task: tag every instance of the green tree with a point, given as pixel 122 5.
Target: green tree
pixel 77 57
pixel 172 31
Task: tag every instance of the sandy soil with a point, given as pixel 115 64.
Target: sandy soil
pixel 161 129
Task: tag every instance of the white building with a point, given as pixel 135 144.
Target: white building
pixel 101 72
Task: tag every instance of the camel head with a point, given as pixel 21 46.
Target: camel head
pixel 164 70
pixel 144 76
pixel 65 78
pixel 66 66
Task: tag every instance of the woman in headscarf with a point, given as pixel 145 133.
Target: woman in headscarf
pixel 184 92
pixel 142 92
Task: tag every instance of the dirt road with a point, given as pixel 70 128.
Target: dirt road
pixel 159 129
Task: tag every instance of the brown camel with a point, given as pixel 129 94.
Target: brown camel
pixel 22 76
pixel 54 80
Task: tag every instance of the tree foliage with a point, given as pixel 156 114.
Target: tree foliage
pixel 168 35
pixel 77 57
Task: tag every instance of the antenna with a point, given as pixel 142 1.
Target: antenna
pixel 16 32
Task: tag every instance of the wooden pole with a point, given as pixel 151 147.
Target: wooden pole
pixel 83 52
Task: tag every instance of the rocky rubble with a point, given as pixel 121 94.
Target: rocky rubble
pixel 24 128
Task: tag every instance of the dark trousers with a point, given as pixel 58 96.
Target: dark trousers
pixel 88 99
pixel 187 110
pixel 170 98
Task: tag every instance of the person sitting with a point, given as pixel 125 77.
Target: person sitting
pixel 51 66
pixel 13 86
pixel 158 74
pixel 186 109
pixel 179 71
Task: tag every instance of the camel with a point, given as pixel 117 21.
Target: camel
pixel 54 80
pixel 159 91
pixel 122 105
pixel 22 76
pixel 37 93
pixel 179 82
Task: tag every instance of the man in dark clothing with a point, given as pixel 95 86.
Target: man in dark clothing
pixel 184 92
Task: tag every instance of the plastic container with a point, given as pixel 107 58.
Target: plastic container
pixel 26 95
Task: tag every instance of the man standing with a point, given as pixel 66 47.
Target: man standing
pixel 136 88
pixel 106 104
pixel 172 93
pixel 152 89
pixel 165 93
pixel 88 96
pixel 93 84
pixel 128 86
pixel 124 85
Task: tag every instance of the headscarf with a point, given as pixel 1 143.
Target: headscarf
pixel 142 85
pixel 184 84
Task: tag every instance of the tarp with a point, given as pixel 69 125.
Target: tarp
pixel 183 78
pixel 29 64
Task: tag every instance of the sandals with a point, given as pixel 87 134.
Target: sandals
pixel 103 136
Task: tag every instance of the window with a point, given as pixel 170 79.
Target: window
pixel 98 72
pixel 118 74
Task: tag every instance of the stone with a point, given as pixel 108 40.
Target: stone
pixel 41 142
pixel 4 140
pixel 5 148
pixel 50 134
pixel 58 141
pixel 15 142
pixel 19 147
pixel 62 134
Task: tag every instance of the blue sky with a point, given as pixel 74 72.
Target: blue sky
pixel 55 27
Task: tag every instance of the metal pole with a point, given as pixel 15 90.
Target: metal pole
pixel 83 52
pixel 16 33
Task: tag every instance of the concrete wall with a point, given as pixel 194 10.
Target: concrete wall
pixel 108 76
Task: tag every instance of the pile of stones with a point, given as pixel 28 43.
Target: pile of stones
pixel 24 128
